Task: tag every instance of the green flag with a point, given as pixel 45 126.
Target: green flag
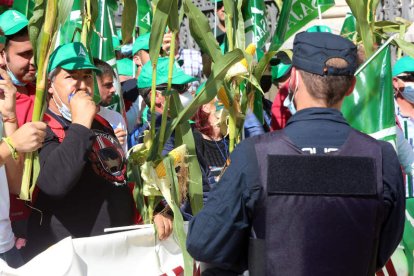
pixel 294 15
pixel 326 2
pixel 24 6
pixel 370 108
pixel 349 27
pixel 255 23
pixel 408 236
pixel 102 47
pixel 144 16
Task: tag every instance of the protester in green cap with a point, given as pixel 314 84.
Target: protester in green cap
pixel 133 102
pixel 280 66
pixel 180 82
pixel 403 84
pixel 82 185
pixel 18 52
pixel 16 141
pixel 140 51
pixel 105 80
pixel 125 68
pixel 18 61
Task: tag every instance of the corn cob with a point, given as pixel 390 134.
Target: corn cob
pixel 251 49
pixel 178 155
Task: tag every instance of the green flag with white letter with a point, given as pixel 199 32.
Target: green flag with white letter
pixel 370 108
pixel 255 23
pixel 294 15
pixel 144 16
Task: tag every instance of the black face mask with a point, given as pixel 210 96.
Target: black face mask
pixel 266 83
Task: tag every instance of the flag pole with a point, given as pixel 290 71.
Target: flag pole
pixel 389 40
pixel 102 28
pixel 215 19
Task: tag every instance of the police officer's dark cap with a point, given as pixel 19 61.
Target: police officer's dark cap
pixel 312 50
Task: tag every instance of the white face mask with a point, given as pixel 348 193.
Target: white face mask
pixel 14 79
pixel 186 98
pixel 289 101
pixel 408 92
pixel 63 108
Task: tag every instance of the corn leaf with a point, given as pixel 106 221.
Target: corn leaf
pixel 262 65
pixel 36 23
pixel 159 23
pixel 173 18
pixel 64 8
pixel 184 135
pixel 229 7
pixel 362 12
pixel 407 47
pixel 178 223
pixel 129 15
pixel 240 32
pixel 201 31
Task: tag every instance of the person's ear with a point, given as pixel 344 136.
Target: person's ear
pixel 351 88
pixel 396 83
pixel 137 60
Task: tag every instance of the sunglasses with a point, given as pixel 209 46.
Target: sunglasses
pixel 407 78
pixel 180 88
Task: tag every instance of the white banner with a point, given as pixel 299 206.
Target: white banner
pixel 135 252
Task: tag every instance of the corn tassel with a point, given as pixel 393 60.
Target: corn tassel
pixel 251 50
pixel 178 155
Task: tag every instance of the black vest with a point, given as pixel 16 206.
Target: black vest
pixel 318 214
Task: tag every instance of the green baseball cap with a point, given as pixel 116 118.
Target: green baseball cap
pixel 141 43
pixel 116 43
pixel 12 21
pixel 124 67
pixel 280 70
pixel 71 56
pixel 178 76
pixel 319 29
pixel 403 65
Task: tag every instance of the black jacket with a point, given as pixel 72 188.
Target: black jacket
pixel 219 234
pixel 73 199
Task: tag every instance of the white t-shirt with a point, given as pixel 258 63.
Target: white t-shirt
pixel 115 120
pixel 6 233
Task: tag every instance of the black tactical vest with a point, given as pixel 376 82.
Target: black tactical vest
pixel 318 214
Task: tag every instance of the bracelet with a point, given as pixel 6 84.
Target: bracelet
pixel 9 120
pixel 13 150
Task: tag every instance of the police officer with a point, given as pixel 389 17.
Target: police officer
pixel 317 198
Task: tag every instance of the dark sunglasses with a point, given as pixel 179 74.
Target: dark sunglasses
pixel 407 78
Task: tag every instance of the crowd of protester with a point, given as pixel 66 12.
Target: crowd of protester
pixel 82 187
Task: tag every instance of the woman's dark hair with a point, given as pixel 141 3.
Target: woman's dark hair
pixel 201 122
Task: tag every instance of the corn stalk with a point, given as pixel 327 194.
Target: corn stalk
pixel 44 43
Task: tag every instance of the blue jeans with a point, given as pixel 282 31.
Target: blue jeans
pixel 12 257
